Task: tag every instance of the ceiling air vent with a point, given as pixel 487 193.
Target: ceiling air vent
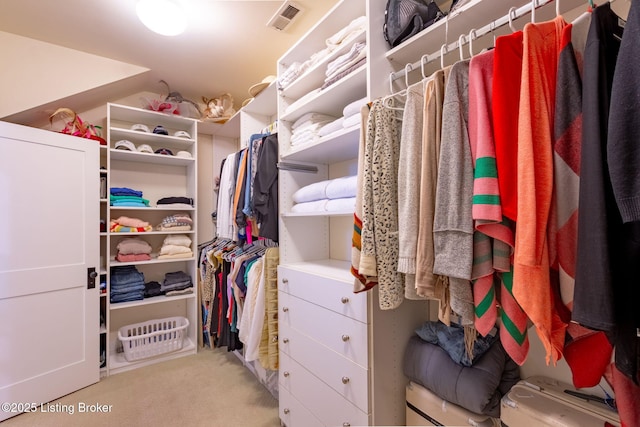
pixel 285 14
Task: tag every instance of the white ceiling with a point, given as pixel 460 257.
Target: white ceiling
pixel 226 48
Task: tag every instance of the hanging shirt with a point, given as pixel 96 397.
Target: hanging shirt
pixel 531 280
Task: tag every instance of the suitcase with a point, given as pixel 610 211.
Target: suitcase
pixel 542 401
pixel 425 408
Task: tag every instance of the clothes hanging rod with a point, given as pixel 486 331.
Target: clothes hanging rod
pixel 475 33
pixel 297 167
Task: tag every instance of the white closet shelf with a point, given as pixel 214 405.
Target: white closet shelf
pixel 117 362
pixel 153 300
pixel 326 101
pixel 313 214
pixel 150 138
pixel 162 159
pixel 153 260
pixel 148 117
pixel 156 208
pixel 474 14
pixel 150 233
pixel 333 148
pixel 331 268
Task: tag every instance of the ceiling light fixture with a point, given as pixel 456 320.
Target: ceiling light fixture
pixel 162 16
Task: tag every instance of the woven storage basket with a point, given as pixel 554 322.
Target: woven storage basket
pixel 154 337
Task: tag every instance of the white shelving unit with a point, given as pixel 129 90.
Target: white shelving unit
pixel 340 355
pixel 157 176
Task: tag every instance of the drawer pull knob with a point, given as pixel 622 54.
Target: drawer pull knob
pixel 285 309
pixel 346 424
pixel 285 281
pixel 286 410
pixel 286 374
pixel 344 300
pixel 345 338
pixel 285 340
pixel 345 380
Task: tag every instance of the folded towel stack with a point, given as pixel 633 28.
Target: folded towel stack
pixel 176 246
pixel 124 196
pixel 305 129
pixel 350 118
pixel 176 283
pixel 340 38
pixel 333 195
pixel 346 64
pixel 132 249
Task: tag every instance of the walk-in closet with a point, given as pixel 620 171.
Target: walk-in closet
pixel 337 213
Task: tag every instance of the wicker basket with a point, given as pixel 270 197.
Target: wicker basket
pixel 154 337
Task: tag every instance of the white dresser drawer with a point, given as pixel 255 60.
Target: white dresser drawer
pixel 328 292
pixel 331 408
pixel 293 413
pixel 341 374
pixel 342 334
pixel 284 371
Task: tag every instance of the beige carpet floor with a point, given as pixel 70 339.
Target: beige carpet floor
pixel 211 388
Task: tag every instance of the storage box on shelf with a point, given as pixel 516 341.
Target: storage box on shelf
pixel 160 166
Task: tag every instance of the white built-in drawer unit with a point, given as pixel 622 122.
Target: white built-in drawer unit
pixel 293 413
pixel 320 400
pixel 323 341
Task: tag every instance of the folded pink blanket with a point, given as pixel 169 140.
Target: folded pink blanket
pixel 132 257
pixel 131 222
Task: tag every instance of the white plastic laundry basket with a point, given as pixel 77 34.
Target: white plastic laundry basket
pixel 154 337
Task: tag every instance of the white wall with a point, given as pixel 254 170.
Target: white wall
pixel 50 72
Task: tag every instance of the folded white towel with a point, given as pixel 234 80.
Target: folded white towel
pixel 351 121
pixel 311 119
pixel 347 204
pixel 307 207
pixel 177 239
pixel 331 127
pixel 174 249
pixel 354 107
pixel 342 187
pixel 354 27
pixel 345 61
pixel 305 139
pixel 311 192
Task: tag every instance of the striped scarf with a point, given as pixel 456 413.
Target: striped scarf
pixel 494 233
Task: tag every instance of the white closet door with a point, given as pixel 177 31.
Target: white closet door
pixel 49 238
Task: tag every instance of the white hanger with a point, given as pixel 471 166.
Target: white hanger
pixel 557 8
pixel 533 11
pixel 443 52
pixel 472 36
pixel 423 60
pixel 511 12
pixel 407 69
pixel 460 43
